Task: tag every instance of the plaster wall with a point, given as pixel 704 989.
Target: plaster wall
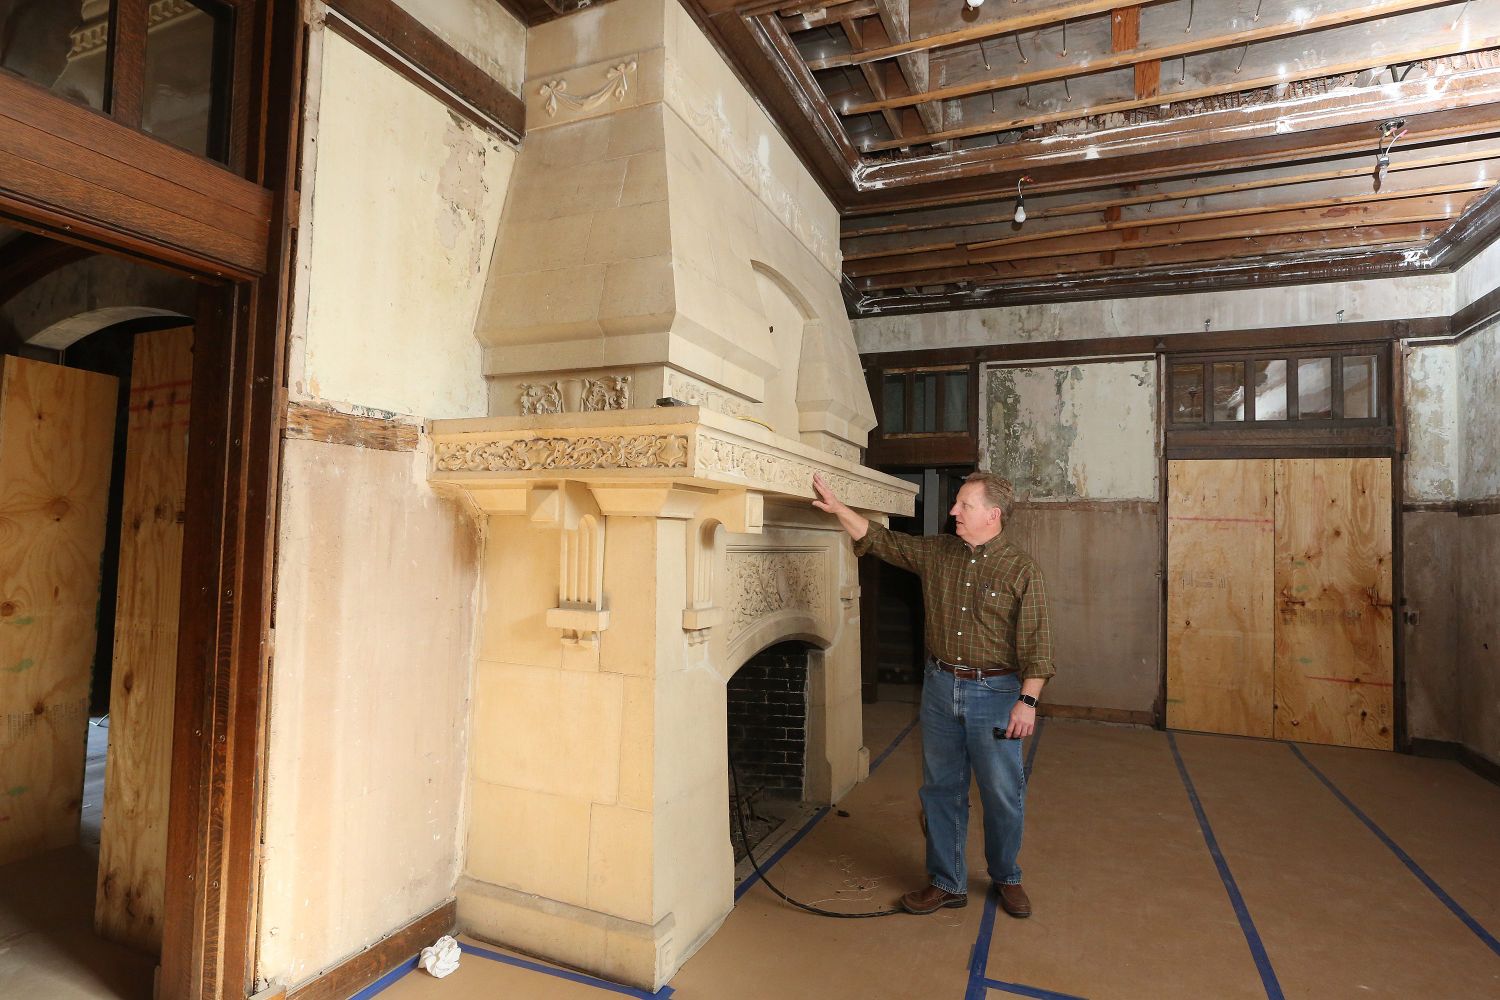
pixel 1353 301
pixel 1478 652
pixel 377 574
pixel 401 203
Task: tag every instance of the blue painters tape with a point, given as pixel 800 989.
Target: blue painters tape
pixel 386 981
pixel 979 958
pixel 817 817
pixel 1028 991
pixel 1406 859
pixel 572 977
pixel 1241 912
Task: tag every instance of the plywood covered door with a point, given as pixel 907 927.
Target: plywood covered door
pixel 56 436
pixel 1334 632
pixel 130 904
pixel 1220 614
pixel 1279 582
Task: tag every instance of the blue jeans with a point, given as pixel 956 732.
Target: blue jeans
pixel 959 718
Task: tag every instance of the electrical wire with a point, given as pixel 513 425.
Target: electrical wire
pixel 739 818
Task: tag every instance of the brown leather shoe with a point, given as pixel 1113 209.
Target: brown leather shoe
pixel 932 899
pixel 1013 900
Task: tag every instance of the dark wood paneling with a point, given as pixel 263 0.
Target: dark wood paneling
pixel 444 72
pixel 1119 716
pixel 70 167
pixel 354 974
pixel 920 450
pixel 1476 315
pixel 125 76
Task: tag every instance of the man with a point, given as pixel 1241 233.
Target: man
pixel 989 652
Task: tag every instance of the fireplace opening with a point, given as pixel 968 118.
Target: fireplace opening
pixel 767 716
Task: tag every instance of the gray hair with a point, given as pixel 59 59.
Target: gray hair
pixel 998 491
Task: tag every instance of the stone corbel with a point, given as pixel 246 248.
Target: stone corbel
pixel 739 511
pixel 580 614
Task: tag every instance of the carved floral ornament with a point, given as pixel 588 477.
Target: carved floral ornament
pixel 609 392
pixel 768 582
pixel 616 85
pixel 623 451
pixel 755 466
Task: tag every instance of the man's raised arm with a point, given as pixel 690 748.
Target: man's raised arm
pixel 851 522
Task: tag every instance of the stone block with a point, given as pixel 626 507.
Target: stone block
pixel 623 234
pixel 546 730
pixel 621 859
pixel 530 841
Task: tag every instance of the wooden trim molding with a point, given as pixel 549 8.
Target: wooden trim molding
pixel 1448 750
pixel 403 43
pixel 1483 507
pixel 360 970
pixel 1089 506
pixel 1118 716
pixel 304 422
pixel 96 180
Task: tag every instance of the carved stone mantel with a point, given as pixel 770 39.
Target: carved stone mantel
pixel 634 559
pixel 687 446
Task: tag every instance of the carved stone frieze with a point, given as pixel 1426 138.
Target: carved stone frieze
pixel 761 465
pixel 623 451
pixel 765 582
pixel 611 392
pixel 690 390
pixel 541 397
pixel 616 85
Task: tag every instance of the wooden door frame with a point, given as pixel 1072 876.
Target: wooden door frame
pixel 82 177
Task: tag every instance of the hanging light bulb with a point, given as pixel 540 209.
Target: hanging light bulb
pixel 1020 215
pixel 1390 132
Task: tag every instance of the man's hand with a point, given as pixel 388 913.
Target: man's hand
pixel 826 501
pixel 1022 721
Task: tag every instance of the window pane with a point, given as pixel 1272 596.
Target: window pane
pixel 1359 387
pixel 893 403
pixel 1270 390
pixel 53 44
pixel 1187 394
pixel 1229 390
pixel 1315 388
pixel 924 402
pixel 956 401
pixel 185 99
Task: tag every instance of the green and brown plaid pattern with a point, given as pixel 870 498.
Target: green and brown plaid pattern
pixel 986 606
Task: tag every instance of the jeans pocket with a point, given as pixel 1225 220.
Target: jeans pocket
pixel 1004 684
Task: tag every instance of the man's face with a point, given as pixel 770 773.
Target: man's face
pixel 975 521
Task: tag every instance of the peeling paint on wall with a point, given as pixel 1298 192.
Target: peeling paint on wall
pixel 1479 395
pixel 1069 432
pixel 1433 446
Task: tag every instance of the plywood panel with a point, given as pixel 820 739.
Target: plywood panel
pixel 1220 549
pixel 56 435
pixel 133 840
pixel 1333 598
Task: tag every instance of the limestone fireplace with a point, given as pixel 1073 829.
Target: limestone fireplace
pixel 659 241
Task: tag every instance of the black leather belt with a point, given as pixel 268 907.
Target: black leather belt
pixel 972 673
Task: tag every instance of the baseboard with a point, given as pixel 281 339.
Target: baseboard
pixel 1447 750
pixel 1121 716
pixel 360 970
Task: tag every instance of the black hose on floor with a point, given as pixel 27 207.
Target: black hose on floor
pixel 739 819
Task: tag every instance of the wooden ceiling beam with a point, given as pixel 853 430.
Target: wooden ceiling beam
pixel 978 32
pixel 1041 210
pixel 1456 46
pixel 1314 241
pixel 895 16
pixel 1341 123
pixel 871 72
pixel 841 13
pixel 855 263
pixel 1193 46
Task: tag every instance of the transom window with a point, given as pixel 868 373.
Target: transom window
pixel 925 401
pixel 1308 387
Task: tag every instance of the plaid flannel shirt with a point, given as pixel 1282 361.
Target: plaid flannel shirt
pixel 986 605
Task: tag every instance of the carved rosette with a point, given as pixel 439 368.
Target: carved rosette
pixel 764 583
pixel 633 451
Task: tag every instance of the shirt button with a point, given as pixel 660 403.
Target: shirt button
pixel 968 585
pixel 963 609
pixel 960 659
pixel 992 593
pixel 960 633
pixel 971 562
